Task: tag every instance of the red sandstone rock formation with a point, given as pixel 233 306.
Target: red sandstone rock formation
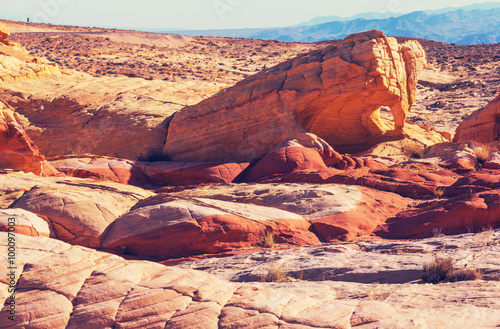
pixel 457 215
pixel 482 126
pixel 148 174
pixel 335 94
pixel 17 150
pixel 218 219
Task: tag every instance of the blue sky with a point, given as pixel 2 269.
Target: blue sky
pixel 203 14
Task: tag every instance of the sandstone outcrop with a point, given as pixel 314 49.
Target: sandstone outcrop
pixel 291 156
pixel 63 286
pixel 221 218
pixel 14 49
pixel 120 117
pixel 482 126
pixel 148 174
pixel 192 173
pixel 335 93
pixel 24 222
pixel 103 168
pixel 78 211
pixel 17 150
pixel 4 32
pixel 466 212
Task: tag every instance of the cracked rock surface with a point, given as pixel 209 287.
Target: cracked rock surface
pixel 64 286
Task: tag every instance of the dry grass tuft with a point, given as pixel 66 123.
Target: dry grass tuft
pixel 443 270
pixel 277 273
pixel 437 232
pixel 466 274
pixel 481 151
pixel 439 191
pixel 415 150
pixel 268 240
pixel 485 236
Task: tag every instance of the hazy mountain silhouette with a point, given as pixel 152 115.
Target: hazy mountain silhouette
pixel 475 24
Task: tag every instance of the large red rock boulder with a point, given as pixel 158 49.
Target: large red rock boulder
pixel 148 174
pixel 220 218
pixel 192 173
pixel 79 211
pixel 102 168
pixel 166 227
pixel 335 93
pixel 461 214
pixel 482 126
pixel 286 158
pixel 17 150
pixel 372 209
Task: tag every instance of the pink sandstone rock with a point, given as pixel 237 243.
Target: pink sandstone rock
pixel 17 150
pixel 463 213
pixel 482 126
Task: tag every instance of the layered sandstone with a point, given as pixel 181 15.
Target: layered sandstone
pixel 335 93
pixel 63 286
pixel 17 150
pixel 222 218
pixel 148 174
pixel 120 117
pixel 11 48
pixel 77 211
pixel 482 126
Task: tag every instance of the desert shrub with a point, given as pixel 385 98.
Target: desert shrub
pixel 268 239
pixel 276 273
pixel 443 270
pixel 415 150
pixel 153 156
pixel 439 270
pixel 465 275
pixel 439 192
pixel 481 151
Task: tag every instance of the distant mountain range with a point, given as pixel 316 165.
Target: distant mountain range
pixel 474 24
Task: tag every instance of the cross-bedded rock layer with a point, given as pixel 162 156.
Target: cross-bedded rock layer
pixel 335 93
